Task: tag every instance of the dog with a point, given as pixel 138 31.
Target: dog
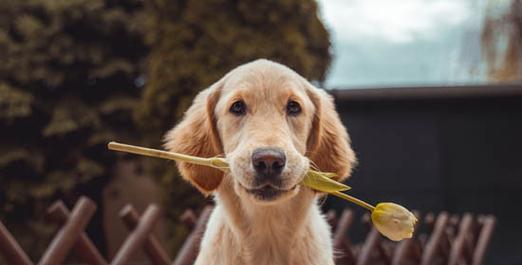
pixel 271 125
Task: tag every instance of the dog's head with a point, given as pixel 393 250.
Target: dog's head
pixel 270 124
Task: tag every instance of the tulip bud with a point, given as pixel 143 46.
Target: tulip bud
pixel 393 221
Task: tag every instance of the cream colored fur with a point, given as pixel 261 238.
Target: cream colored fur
pixel 242 229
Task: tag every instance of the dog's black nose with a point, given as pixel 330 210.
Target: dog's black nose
pixel 268 162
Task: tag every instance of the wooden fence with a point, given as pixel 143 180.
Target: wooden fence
pixel 444 239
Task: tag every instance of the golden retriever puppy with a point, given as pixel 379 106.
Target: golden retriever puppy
pixel 271 125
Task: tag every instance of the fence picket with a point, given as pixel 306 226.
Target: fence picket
pixel 452 240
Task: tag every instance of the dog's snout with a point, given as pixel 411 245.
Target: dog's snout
pixel 268 162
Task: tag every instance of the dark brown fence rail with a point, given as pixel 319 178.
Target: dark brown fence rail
pixel 443 239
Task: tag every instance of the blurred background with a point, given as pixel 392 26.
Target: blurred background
pixel 430 91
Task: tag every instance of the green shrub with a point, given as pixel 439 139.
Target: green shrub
pixel 68 73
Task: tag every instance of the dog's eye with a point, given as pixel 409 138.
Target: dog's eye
pixel 238 108
pixel 293 108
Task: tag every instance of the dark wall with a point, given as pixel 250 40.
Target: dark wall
pixel 436 149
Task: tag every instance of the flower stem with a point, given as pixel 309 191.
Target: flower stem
pixel 209 162
pixel 347 197
pixel 159 154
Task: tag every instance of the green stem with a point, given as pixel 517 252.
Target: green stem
pixel 354 200
pixel 209 162
pixel 160 154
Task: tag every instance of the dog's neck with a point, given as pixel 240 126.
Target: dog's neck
pixel 272 229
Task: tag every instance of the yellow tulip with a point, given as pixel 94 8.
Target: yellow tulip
pixel 393 221
pixel 390 219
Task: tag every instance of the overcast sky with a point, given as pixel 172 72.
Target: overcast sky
pixel 406 42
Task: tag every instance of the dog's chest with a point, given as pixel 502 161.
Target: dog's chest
pixel 269 245
pixel 303 253
pixel 294 253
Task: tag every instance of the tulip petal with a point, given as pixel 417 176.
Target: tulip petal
pixel 393 221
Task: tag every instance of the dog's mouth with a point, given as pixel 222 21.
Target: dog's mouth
pixel 268 192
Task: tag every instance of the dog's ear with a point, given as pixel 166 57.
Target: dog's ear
pixel 197 135
pixel 328 145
